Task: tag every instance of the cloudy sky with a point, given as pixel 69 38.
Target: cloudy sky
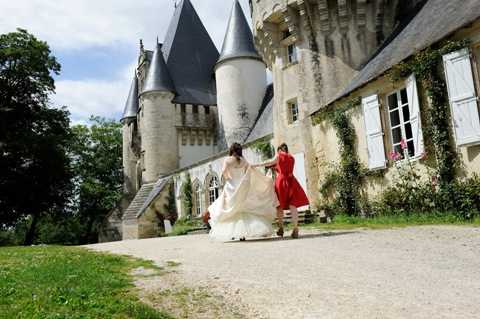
pixel 96 41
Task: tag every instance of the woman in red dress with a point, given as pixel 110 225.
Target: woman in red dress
pixel 289 191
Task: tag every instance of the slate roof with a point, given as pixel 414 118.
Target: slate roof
pixel 131 213
pixel 435 21
pixel 190 56
pixel 264 123
pixel 158 77
pixel 131 106
pixel 238 42
pixel 155 191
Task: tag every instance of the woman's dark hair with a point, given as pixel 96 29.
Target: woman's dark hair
pixel 236 151
pixel 283 147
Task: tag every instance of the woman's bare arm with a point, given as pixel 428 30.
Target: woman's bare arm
pixel 268 163
pixel 225 172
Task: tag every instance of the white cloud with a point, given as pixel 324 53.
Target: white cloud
pixel 91 97
pixel 104 98
pixel 79 24
pixel 82 25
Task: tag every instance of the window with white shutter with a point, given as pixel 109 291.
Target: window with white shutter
pixel 405 124
pixel 462 97
pixel 415 121
pixel 374 132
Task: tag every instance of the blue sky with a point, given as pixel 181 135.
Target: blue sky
pixel 96 41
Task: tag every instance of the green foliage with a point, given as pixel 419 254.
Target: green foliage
pixel 264 148
pixel 34 138
pixel 410 194
pixel 425 65
pixel 390 221
pixel 96 154
pixel 48 282
pixel 187 199
pixel 171 206
pixel 184 226
pixel 346 177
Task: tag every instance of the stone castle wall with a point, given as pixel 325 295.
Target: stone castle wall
pixel 333 38
pixel 158 135
pixel 241 85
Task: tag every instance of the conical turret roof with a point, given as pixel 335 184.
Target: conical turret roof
pixel 131 107
pixel 190 56
pixel 158 77
pixel 238 42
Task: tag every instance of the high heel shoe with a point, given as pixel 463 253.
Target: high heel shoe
pixel 280 232
pixel 295 233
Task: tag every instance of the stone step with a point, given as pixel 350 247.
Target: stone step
pixel 137 202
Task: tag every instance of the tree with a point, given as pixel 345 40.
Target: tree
pixel 35 177
pixel 97 165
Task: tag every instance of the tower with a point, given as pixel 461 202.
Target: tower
pixel 129 121
pixel 157 119
pixel 241 79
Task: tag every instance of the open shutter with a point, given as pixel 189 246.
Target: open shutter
pixel 415 120
pixel 462 97
pixel 374 132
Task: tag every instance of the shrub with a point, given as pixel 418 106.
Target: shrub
pixel 412 195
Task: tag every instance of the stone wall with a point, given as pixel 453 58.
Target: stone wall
pixel 241 85
pixel 158 135
pixel 326 143
pixel 334 38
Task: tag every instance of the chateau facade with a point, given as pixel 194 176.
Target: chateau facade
pixel 182 113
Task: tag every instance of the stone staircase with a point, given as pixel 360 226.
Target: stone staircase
pixel 137 203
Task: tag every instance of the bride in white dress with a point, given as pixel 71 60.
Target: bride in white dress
pixel 247 205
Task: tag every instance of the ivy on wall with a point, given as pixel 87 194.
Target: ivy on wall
pixel 187 199
pixel 346 179
pixel 437 128
pixel 348 176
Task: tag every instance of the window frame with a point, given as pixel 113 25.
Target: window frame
pixel 198 202
pixel 293 117
pixel 292 57
pixel 402 124
pixel 213 189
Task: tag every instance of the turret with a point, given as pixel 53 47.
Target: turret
pixel 128 120
pixel 157 118
pixel 241 79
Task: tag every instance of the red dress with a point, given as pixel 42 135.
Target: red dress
pixel 288 189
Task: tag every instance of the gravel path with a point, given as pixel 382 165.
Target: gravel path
pixel 418 272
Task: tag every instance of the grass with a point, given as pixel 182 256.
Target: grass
pixel 69 282
pixel 385 222
pixel 183 227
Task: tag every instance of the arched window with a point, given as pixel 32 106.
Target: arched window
pixel 213 189
pixel 197 198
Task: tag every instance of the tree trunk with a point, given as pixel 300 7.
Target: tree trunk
pixel 30 236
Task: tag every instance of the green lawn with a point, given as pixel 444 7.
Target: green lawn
pixel 69 282
pixel 384 222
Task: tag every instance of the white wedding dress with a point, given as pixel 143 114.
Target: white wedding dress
pixel 246 207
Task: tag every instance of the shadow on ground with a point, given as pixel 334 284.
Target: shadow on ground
pixel 306 236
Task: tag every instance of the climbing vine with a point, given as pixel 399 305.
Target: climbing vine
pixel 187 199
pixel 346 179
pixel 426 65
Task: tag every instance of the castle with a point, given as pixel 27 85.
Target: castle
pixel 188 102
